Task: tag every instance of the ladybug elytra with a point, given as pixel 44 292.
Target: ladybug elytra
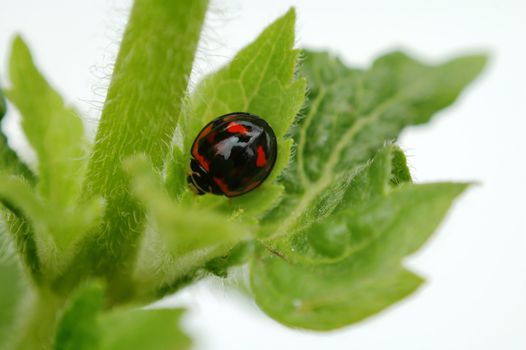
pixel 232 155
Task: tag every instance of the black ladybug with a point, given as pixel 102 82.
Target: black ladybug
pixel 232 155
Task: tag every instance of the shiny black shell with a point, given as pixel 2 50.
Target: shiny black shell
pixel 232 155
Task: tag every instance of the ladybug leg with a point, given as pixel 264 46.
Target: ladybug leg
pixel 193 187
pixel 198 179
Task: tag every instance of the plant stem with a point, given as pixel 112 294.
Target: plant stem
pixel 140 115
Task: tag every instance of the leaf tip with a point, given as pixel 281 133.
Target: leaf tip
pixel 463 186
pixel 470 66
pixel 288 19
pixel 291 13
pixel 482 58
pixel 454 189
pixel 20 65
pixel 18 47
pixel 478 61
pixel 18 40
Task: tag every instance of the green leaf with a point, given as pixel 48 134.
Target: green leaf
pixel 9 296
pixel 11 282
pixel 11 164
pixel 3 105
pixel 334 244
pixel 78 328
pixel 17 195
pixel 329 239
pixel 20 228
pixel 28 222
pixel 400 171
pixel 140 115
pixel 350 115
pixel 259 80
pixel 332 295
pixel 190 235
pixel 24 243
pixel 44 222
pixel 56 133
pixel 9 161
pixel 84 325
pixel 53 129
pixel 155 329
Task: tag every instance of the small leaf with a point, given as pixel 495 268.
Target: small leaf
pixel 9 297
pixel 154 329
pixel 19 227
pixel 18 196
pixel 399 170
pixel 10 163
pixel 23 238
pixel 27 221
pixel 79 328
pixel 376 178
pixel 47 222
pixel 85 326
pixel 53 129
pixel 56 133
pixel 328 239
pixel 332 295
pixel 259 80
pixel 12 287
pixel 191 235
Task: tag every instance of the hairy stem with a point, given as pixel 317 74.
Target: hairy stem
pixel 140 115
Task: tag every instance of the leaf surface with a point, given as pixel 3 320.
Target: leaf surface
pixel 156 329
pixel 332 248
pixel 326 296
pixel 351 114
pixel 86 326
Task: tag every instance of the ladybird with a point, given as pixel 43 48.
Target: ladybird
pixel 232 155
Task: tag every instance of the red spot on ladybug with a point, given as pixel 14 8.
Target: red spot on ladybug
pixel 202 161
pixel 232 155
pixel 234 128
pixel 261 159
pixel 223 186
pixel 211 137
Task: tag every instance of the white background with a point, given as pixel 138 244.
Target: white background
pixel 475 297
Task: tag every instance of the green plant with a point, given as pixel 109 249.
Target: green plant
pixel 101 229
